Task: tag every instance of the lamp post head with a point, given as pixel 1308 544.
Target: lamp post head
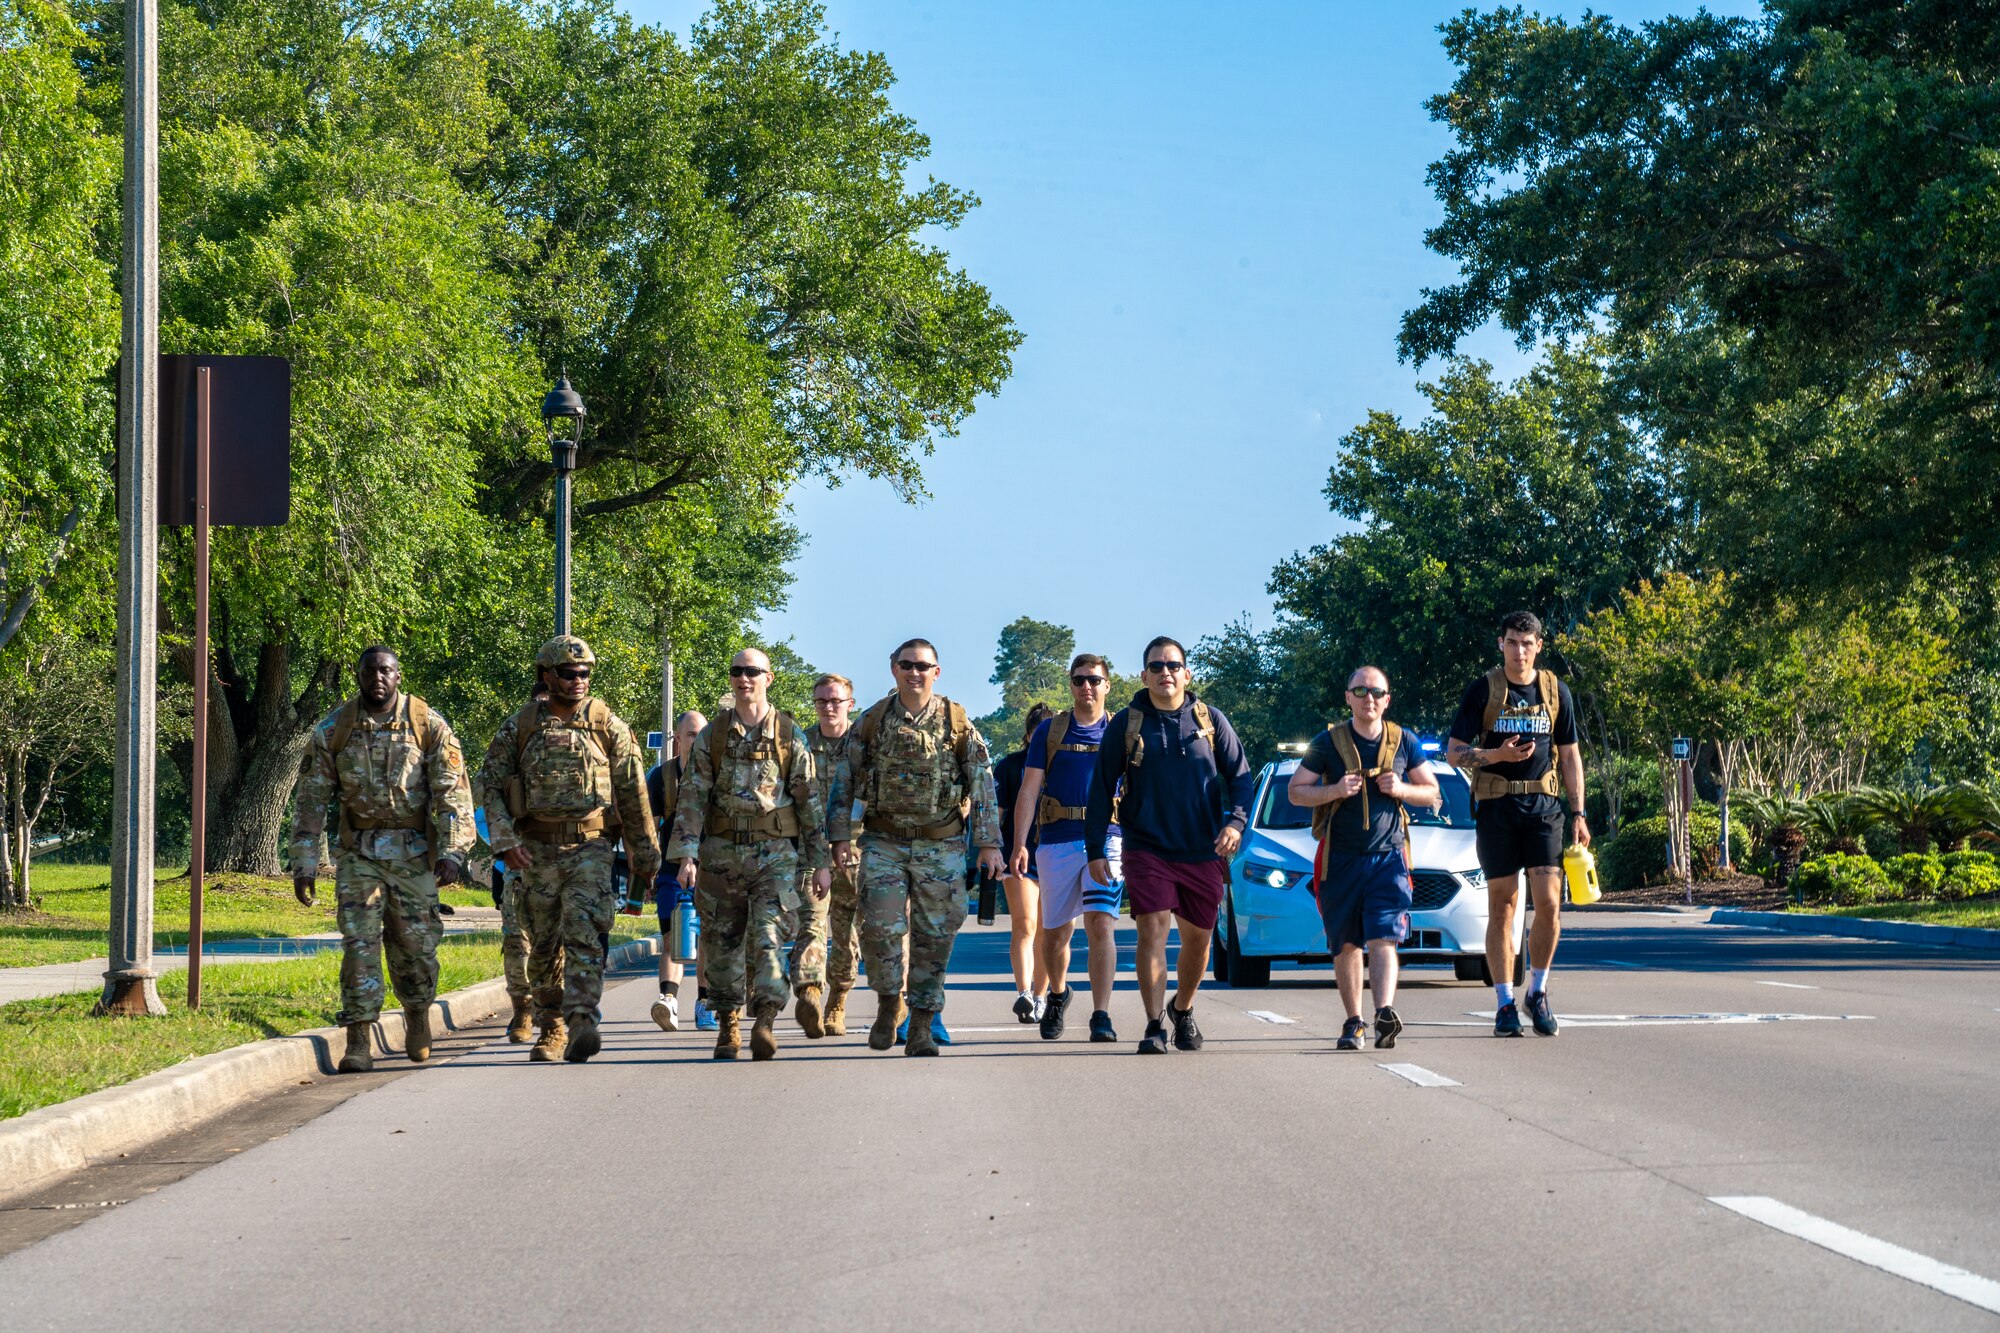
pixel 563 404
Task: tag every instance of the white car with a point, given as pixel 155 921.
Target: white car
pixel 1271 910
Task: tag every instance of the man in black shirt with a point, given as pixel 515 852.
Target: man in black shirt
pixel 1515 735
pixel 1367 769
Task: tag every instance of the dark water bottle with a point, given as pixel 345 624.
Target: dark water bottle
pixel 989 894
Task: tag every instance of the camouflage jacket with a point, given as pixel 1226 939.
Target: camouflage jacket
pixel 567 773
pixel 749 785
pixel 384 775
pixel 912 752
pixel 836 780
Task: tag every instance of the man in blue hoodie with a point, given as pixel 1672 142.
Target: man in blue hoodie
pixel 1184 806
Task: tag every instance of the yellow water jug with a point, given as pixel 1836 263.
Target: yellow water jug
pixel 1580 869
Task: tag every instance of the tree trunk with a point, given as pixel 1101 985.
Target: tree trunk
pixel 10 895
pixel 23 828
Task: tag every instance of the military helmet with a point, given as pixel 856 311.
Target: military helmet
pixel 565 650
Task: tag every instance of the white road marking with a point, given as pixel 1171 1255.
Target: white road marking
pixel 1660 1020
pixel 1788 985
pixel 1971 1288
pixel 1267 1016
pixel 1421 1076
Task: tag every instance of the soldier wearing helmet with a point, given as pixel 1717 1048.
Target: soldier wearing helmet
pixel 562 782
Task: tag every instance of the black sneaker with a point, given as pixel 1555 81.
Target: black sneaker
pixel 1024 1009
pixel 1507 1023
pixel 1187 1036
pixel 1155 1040
pixel 1543 1017
pixel 1053 1009
pixel 1100 1026
pixel 1387 1025
pixel 1351 1033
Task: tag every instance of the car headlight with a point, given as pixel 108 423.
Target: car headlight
pixel 1270 876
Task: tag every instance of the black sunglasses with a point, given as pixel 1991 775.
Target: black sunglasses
pixel 1166 668
pixel 573 673
pixel 746 671
pixel 1086 680
pixel 1368 691
pixel 907 665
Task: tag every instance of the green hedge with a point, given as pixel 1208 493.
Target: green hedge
pixel 1914 876
pixel 1637 855
pixel 1843 880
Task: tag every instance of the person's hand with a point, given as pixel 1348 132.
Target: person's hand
pixel 822 882
pixel 1516 749
pixel 1100 870
pixel 844 854
pixel 1017 865
pixel 446 870
pixel 302 889
pixel 1227 841
pixel 518 858
pixel 1349 785
pixel 1390 785
pixel 990 862
pixel 1579 830
pixel 685 875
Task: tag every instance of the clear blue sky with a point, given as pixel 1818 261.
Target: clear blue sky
pixel 1207 221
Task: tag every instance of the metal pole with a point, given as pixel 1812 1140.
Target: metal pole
pixel 562 552
pixel 198 835
pixel 129 980
pixel 667 691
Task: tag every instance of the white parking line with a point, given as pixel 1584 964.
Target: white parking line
pixel 1971 1288
pixel 1265 1015
pixel 1421 1076
pixel 1788 985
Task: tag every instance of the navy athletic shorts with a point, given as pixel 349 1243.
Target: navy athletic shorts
pixel 1364 896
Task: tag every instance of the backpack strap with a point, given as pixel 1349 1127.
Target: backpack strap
pixel 1205 724
pixel 1551 692
pixel 1496 700
pixel 525 723
pixel 1048 811
pixel 1346 746
pixel 961 728
pixel 343 726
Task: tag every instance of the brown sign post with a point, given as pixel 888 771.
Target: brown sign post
pixel 235 411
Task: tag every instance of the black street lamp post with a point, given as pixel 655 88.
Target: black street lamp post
pixel 562 405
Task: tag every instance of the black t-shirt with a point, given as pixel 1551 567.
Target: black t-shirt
pixel 1007 775
pixel 1517 718
pixel 1383 831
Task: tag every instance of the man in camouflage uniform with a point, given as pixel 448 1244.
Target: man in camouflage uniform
pixel 821 968
pixel 916 760
pixel 744 825
pixel 513 935
pixel 561 782
pixel 391 770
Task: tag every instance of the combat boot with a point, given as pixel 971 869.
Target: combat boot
pixel 584 1039
pixel 888 1013
pixel 763 1037
pixel 728 1035
pixel 521 1028
pixel 835 1022
pixel 550 1044
pixel 811 1017
pixel 417 1034
pixel 922 1040
pixel 359 1057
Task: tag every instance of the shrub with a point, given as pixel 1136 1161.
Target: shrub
pixel 1915 874
pixel 1842 880
pixel 1968 875
pixel 1637 856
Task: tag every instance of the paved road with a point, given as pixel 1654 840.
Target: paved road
pixel 1265 1181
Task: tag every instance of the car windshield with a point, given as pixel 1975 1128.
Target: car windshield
pixel 1276 810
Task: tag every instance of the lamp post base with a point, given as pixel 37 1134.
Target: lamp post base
pixel 131 995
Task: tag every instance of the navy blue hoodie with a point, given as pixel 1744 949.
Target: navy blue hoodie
pixel 1181 795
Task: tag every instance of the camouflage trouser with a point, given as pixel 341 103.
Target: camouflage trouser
pixel 742 894
pixel 514 943
pixel 914 888
pixel 815 960
pixel 566 905
pixel 386 902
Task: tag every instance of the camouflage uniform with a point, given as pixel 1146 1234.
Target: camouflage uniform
pixel 749 870
pixel 388 789
pixel 581 771
pixel 514 941
pixel 814 961
pixel 912 869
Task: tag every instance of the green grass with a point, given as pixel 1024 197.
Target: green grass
pixel 73 915
pixel 1983 913
pixel 52 1050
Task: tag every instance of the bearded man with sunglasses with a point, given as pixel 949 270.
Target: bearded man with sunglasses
pixel 562 782
pixel 1186 800
pixel 916 760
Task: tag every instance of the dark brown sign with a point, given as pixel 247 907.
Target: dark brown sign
pixel 249 440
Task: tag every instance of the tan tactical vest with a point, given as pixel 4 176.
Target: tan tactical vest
pixel 781 822
pixel 1486 784
pixel 595 720
pixel 422 723
pixel 914 789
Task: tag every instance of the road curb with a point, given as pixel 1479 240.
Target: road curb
pixel 1678 909
pixel 1905 932
pixel 46 1144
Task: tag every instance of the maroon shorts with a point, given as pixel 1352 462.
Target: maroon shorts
pixel 1191 890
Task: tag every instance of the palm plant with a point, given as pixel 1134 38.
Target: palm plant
pixel 1779 822
pixel 1841 821
pixel 1947 814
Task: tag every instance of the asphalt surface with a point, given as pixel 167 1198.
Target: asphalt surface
pixel 1264 1181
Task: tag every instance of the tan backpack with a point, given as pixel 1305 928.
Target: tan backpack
pixel 1487 784
pixel 422 721
pixel 961 738
pixel 1344 745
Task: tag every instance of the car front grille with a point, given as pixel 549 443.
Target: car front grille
pixel 1432 889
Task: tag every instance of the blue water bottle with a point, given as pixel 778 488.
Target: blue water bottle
pixel 687 928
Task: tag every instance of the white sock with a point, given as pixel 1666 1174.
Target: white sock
pixel 1538 980
pixel 1503 992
